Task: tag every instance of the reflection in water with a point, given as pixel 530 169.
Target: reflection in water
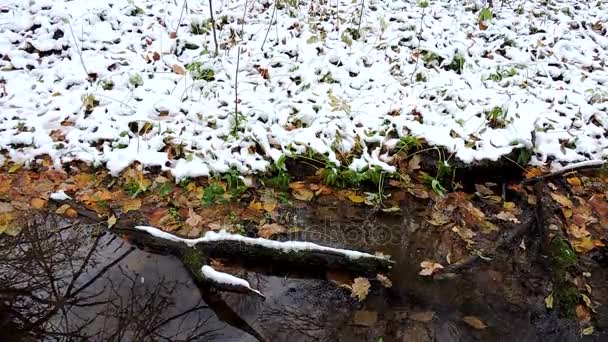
pixel 67 282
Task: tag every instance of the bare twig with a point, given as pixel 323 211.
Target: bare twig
pixel 274 9
pixel 78 50
pixel 586 165
pixel 236 94
pixel 360 17
pixel 217 50
pixel 181 14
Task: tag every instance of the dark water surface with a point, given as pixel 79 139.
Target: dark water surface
pixel 65 282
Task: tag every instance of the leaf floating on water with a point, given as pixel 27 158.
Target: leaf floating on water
pixel 360 288
pixel 549 301
pixel 365 318
pixel 384 280
pixel 474 322
pixel 429 267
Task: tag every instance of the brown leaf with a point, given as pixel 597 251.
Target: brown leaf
pixel 474 322
pixel 156 56
pixel 61 210
pixel 365 318
pixel 429 267
pixel 482 25
pixel 38 203
pixel 418 190
pixel 507 216
pixel 303 194
pixel 264 73
pixel 384 280
pixel 270 229
pixel 173 35
pixel 193 220
pixel 178 69
pixel 157 215
pixel 583 314
pixel 131 204
pixel 360 288
pixel 341 278
pixel 414 163
pixel 423 316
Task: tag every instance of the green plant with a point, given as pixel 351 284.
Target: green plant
pixel 107 85
pixel 136 81
pixel 133 188
pixel 197 72
pixel 89 102
pixel 211 193
pixel 234 183
pixel 164 189
pixel 457 64
pixel 280 178
pixel 485 14
pixel 496 117
pixel 499 75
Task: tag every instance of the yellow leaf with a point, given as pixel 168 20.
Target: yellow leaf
pixel 474 322
pixel 61 210
pixel 131 204
pixel 303 194
pixel 360 288
pixel 71 213
pixel 562 200
pixel 269 206
pixel 37 203
pixel 574 181
pixel 15 167
pixel 587 331
pixel 549 301
pixel 586 299
pixel 256 205
pixel 7 226
pixel 353 197
pixel 583 245
pixel 111 221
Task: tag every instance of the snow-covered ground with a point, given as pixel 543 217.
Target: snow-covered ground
pixel 114 81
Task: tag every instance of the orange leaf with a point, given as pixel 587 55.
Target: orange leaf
pixel 178 69
pixel 534 172
pixel 574 181
pixel 131 204
pixel 270 229
pixel 37 203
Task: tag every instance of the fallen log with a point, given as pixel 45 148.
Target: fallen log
pixel 296 254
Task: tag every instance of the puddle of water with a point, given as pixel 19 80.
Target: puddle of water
pixel 64 284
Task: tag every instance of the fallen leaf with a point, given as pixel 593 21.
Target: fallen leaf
pixel 549 301
pixel 429 267
pixel 582 314
pixel 534 172
pixel 38 203
pixel 583 245
pixel 156 56
pixel 482 26
pixel 418 190
pixel 71 213
pixel 131 204
pixel 365 318
pixel 423 316
pixel 264 73
pixel 438 218
pixel 474 322
pixel 353 197
pixel 587 331
pixel 178 69
pixel 61 210
pixel 303 194
pixel 173 35
pixel 7 226
pixel 111 221
pixel 414 163
pixel 157 215
pixel 574 181
pixel 193 220
pixel 562 200
pixel 483 190
pixel 270 229
pixel 360 288
pixel 507 216
pixel 384 280
pixel 341 278
pixel 269 206
pixel 15 167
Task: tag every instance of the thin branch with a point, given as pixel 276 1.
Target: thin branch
pixel 217 49
pixel 586 165
pixel 274 9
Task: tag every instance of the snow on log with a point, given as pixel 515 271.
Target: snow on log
pixel 295 253
pixel 227 281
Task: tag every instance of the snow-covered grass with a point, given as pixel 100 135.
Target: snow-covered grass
pixel 111 81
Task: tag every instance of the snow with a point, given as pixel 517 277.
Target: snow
pixel 60 196
pixel 285 246
pixel 542 63
pixel 225 278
